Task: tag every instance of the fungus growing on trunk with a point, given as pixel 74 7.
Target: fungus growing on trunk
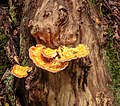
pixel 58 59
pixel 67 54
pixel 49 64
pixel 20 71
pixel 48 53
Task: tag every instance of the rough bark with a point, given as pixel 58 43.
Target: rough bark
pixel 63 22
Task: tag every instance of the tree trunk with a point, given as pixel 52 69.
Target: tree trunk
pixel 85 82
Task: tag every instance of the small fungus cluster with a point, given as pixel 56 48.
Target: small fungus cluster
pixel 20 71
pixel 53 60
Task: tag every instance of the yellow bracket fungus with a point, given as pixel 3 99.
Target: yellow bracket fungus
pixel 50 64
pixel 67 54
pixel 20 71
pixel 48 53
pixel 58 59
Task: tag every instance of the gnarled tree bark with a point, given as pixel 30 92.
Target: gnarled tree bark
pixel 63 22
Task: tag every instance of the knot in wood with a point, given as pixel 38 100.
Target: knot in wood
pixel 63 15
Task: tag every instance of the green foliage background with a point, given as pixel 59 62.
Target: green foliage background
pixel 112 50
pixel 113 62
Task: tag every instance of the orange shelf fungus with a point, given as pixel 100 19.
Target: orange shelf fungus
pixel 20 71
pixel 48 53
pixel 58 59
pixel 83 50
pixel 49 64
pixel 67 54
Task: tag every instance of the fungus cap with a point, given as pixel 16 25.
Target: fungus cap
pixel 51 65
pixel 83 50
pixel 48 53
pixel 67 54
pixel 20 71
